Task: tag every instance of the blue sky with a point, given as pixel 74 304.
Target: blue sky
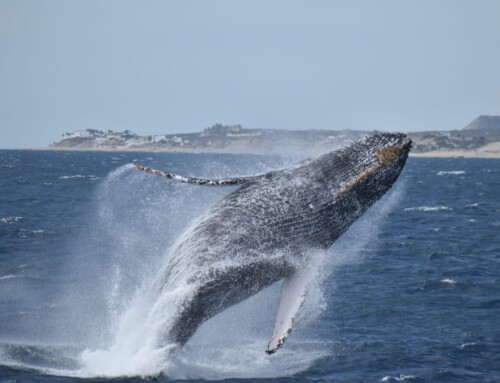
pixel 180 66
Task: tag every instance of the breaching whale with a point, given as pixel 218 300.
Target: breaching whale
pixel 265 230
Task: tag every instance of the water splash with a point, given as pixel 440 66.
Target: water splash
pixel 238 351
pixel 115 316
pixel 138 229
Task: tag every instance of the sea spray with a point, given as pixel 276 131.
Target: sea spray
pixel 363 233
pixel 139 218
pixel 136 348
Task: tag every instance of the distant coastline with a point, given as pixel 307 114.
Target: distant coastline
pixel 457 154
pixel 479 139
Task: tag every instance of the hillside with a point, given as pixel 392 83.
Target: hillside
pixel 218 139
pixel 484 123
pixel 481 138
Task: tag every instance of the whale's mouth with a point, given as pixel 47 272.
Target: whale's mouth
pixel 406 145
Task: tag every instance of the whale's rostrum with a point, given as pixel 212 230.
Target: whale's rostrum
pixel 263 232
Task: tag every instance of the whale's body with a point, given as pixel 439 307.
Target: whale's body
pixel 262 232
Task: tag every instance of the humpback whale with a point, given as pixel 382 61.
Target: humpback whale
pixel 265 231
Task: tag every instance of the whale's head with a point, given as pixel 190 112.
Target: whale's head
pixel 369 166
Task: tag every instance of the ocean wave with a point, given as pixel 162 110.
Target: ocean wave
pixel 428 208
pixel 468 345
pixel 8 276
pixel 473 204
pixel 27 233
pixel 400 378
pixel 70 177
pixel 89 176
pixel 474 347
pixel 449 281
pixel 10 219
pixel 452 172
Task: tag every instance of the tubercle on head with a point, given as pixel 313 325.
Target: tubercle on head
pixel 387 155
pixel 390 154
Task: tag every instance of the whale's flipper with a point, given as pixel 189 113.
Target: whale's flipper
pixel 293 295
pixel 204 181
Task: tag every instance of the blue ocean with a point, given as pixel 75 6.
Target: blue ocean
pixel 411 293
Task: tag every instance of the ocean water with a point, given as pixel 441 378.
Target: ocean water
pixel 411 293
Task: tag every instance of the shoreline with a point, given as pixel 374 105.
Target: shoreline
pixel 457 155
pixel 491 150
pixel 492 153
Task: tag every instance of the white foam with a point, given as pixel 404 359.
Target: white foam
pixel 429 208
pixel 246 359
pixel 473 204
pixel 71 177
pixel 400 378
pixel 452 172
pixel 26 233
pixel 449 281
pixel 89 176
pixel 8 276
pixel 468 345
pixel 10 219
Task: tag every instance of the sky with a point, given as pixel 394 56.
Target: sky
pixel 180 66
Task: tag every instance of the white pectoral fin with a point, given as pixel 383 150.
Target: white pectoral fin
pixel 293 295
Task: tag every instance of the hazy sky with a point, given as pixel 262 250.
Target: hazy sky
pixel 180 66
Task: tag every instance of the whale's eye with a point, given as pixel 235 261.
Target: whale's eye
pixel 387 155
